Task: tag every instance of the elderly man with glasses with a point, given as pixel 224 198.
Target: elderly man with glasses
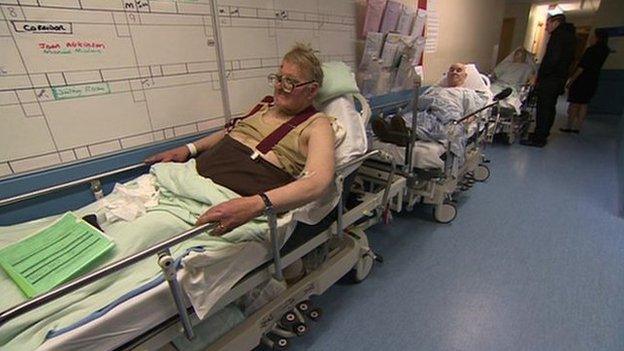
pixel 280 155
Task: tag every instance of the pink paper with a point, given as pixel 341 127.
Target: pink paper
pixel 391 16
pixel 374 13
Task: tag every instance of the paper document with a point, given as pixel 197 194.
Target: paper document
pixel 53 255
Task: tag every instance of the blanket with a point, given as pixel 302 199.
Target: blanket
pixel 438 107
pixel 183 196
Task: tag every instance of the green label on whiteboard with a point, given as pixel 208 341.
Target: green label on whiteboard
pixel 76 91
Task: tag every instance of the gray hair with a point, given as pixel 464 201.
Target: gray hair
pixel 304 57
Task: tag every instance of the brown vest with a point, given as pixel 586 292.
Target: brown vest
pixel 229 163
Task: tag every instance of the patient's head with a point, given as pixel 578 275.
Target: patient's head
pixel 298 80
pixel 456 75
pixel 519 56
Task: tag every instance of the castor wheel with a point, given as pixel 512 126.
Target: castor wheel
pixel 300 329
pixel 481 173
pixel 288 318
pixel 304 306
pixel 362 268
pixel 315 314
pixel 444 213
pixel 275 342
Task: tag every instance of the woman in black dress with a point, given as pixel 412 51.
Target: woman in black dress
pixel 583 83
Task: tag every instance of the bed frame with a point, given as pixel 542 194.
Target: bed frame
pixel 437 188
pixel 351 253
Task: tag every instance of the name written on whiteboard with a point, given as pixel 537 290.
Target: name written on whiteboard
pixel 76 91
pixel 71 47
pixel 42 27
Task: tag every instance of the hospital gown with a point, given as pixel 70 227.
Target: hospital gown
pixel 438 107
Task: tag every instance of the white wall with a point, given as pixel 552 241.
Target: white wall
pixel 469 32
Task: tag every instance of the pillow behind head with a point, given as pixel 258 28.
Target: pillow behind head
pixel 352 143
pixel 337 80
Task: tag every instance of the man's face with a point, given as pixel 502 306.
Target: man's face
pixel 551 25
pixel 301 96
pixel 456 75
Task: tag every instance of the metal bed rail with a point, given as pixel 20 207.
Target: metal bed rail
pixel 58 187
pixel 62 290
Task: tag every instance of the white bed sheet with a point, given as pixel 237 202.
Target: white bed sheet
pixel 426 154
pixel 140 313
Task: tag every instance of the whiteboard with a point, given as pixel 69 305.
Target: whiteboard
pixel 85 78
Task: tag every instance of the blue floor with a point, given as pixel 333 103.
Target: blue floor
pixel 534 261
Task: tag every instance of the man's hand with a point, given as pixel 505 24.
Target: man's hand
pixel 233 213
pixel 569 84
pixel 179 154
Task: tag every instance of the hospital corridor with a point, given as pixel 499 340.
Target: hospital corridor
pixel 522 269
pixel 271 175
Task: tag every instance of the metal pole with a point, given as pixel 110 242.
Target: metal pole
pixel 384 199
pixel 410 145
pixel 220 61
pixel 339 219
pixel 40 192
pixel 166 263
pixel 20 309
pixel 275 245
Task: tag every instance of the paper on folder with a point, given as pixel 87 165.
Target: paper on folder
pixel 54 254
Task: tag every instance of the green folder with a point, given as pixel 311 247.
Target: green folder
pixel 53 255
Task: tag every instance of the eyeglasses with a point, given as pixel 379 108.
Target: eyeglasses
pixel 288 84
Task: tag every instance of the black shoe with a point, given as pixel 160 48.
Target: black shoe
pixel 380 127
pixel 384 132
pixel 397 124
pixel 533 142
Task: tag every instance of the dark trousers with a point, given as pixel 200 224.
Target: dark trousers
pixel 547 93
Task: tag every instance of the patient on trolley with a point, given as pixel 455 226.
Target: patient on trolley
pixel 516 71
pixel 438 107
pixel 242 158
pixel 238 173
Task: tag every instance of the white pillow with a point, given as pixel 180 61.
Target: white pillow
pixel 350 144
pixel 338 80
pixel 354 143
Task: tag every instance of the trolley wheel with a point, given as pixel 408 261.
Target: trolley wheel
pixel 362 269
pixel 300 329
pixel 304 306
pixel 275 342
pixel 445 213
pixel 288 318
pixel 363 266
pixel 281 344
pixel 315 314
pixel 481 173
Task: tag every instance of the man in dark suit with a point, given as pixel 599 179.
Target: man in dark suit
pixel 552 76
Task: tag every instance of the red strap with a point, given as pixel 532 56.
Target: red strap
pixel 267 100
pixel 278 134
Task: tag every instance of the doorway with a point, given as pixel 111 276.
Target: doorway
pixel 506 38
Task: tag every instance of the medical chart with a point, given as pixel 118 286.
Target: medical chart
pixel 54 254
